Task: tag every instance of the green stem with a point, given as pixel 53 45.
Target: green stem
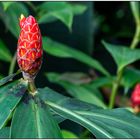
pixel 32 87
pixel 115 88
pixel 116 84
pixel 136 37
pixel 12 65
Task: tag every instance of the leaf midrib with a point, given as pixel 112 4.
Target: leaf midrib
pixel 105 117
pixel 79 117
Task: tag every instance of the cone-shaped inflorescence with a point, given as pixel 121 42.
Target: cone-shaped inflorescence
pixel 29 50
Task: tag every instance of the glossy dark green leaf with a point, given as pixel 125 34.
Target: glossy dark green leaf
pixel 78 91
pixel 5 54
pixel 60 50
pixel 5 133
pixel 63 11
pixel 34 116
pixel 78 9
pixel 130 77
pixel 122 55
pixel 108 123
pixel 10 95
pixel 8 78
pixel 11 17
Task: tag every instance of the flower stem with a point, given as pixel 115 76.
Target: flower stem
pixel 116 84
pixel 136 38
pixel 31 87
pixel 12 65
pixel 115 88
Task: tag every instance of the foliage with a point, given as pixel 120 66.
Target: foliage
pixel 84 103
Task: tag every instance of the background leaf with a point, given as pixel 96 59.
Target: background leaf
pixel 63 11
pixel 8 78
pixel 34 116
pixel 5 54
pixel 63 51
pixel 11 15
pixel 122 55
pixel 102 123
pixel 130 77
pixel 6 5
pixel 77 91
pixel 68 135
pixel 10 95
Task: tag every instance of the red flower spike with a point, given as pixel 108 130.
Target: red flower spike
pixel 29 50
pixel 135 96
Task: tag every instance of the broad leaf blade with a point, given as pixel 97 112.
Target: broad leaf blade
pixel 122 55
pixel 63 51
pixel 5 133
pixel 102 123
pixel 78 91
pixel 8 78
pixel 5 54
pixel 34 116
pixel 130 77
pixel 10 95
pixel 11 16
pixel 63 11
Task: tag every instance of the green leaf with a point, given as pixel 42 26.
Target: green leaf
pixel 78 9
pixel 6 5
pixel 135 10
pixel 8 78
pixel 5 54
pixel 63 11
pixel 11 17
pixel 76 78
pixel 78 91
pixel 10 95
pixel 68 135
pixel 108 123
pixel 34 116
pixel 122 55
pixel 100 82
pixel 4 133
pixel 58 10
pixel 130 77
pixel 63 51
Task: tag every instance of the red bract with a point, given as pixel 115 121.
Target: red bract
pixel 135 97
pixel 29 50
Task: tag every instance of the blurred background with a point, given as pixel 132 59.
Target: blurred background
pixel 80 26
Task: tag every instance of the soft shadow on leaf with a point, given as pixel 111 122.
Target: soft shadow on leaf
pixel 10 95
pixel 78 91
pixel 35 117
